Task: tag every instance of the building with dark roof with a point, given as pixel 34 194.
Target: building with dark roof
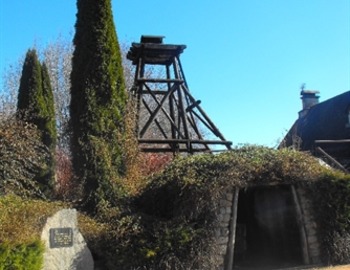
pixel 323 129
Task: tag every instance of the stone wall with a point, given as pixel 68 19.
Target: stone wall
pixel 222 231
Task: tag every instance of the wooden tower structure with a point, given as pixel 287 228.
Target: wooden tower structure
pixel 169 118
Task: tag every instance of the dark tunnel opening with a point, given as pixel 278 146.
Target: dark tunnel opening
pixel 267 233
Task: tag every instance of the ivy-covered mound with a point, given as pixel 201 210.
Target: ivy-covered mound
pixel 177 220
pixel 170 224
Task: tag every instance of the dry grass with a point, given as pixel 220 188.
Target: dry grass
pixel 21 221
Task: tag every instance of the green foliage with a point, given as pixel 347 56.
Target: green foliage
pixel 170 225
pixel 198 180
pixel 21 224
pixel 98 100
pixel 22 157
pixel 170 240
pixel 30 89
pixel 48 112
pixel 331 196
pixel 186 194
pixel 36 105
pixel 21 257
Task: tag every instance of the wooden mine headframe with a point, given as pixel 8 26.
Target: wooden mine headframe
pixel 169 118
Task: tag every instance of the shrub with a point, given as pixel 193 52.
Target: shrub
pixel 331 196
pixel 21 257
pixel 22 157
pixel 154 162
pixel 67 185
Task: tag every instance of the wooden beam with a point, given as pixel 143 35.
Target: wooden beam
pixel 155 120
pixel 332 141
pixel 183 141
pixel 158 80
pixel 180 150
pixel 335 162
pixel 301 223
pixel 232 236
pixel 160 106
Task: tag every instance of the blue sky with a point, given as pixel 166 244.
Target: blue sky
pixel 245 59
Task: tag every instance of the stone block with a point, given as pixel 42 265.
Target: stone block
pixel 65 247
pixel 222 240
pixel 229 196
pixel 225 203
pixel 222 210
pixel 217 232
pixel 226 218
pixel 221 218
pixel 222 202
pixel 223 225
pixel 222 249
pixel 224 231
pixel 312 239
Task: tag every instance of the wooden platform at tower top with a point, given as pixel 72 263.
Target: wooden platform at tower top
pixel 169 118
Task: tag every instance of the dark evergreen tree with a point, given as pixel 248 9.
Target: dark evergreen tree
pixel 48 126
pixel 98 99
pixel 36 105
pixel 30 89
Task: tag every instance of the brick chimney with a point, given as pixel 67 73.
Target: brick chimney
pixel 309 99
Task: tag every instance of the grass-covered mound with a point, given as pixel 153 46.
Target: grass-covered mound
pixel 170 224
pixel 179 205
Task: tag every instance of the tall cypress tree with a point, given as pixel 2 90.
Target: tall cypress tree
pixel 36 105
pixel 48 126
pixel 98 101
pixel 30 89
pixel 48 111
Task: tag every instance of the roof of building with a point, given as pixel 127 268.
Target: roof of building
pixel 324 130
pixel 328 120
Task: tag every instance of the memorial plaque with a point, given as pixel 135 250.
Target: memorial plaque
pixel 61 237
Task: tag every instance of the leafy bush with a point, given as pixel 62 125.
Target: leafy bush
pixel 21 257
pixel 331 196
pixel 67 185
pixel 22 157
